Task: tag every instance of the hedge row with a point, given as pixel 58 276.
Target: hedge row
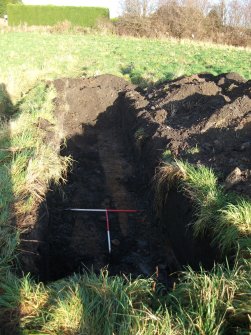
pixel 51 15
pixel 4 4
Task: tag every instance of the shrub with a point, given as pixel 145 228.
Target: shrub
pixel 184 19
pixel 51 15
pixel 3 6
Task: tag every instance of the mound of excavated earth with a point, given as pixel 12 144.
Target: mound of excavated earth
pixel 116 135
pixel 206 120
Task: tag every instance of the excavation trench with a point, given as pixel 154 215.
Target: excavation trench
pixel 115 144
pixel 104 175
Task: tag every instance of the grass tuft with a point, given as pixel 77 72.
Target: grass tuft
pixel 201 303
pixel 35 163
pixel 226 217
pixel 234 220
pixel 29 163
pixel 208 302
pixel 167 177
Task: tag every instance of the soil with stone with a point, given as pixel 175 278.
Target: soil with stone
pixel 207 120
pixel 116 135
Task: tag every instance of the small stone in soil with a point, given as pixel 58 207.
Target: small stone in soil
pixel 245 146
pixel 116 242
pixel 233 178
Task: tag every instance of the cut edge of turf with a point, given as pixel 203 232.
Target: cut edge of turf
pixel 29 163
pixel 225 217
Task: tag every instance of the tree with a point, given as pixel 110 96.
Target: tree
pixel 214 20
pixel 222 11
pixel 235 13
pixel 201 5
pixel 247 14
pixel 181 19
pixel 138 7
pixel 3 6
pixel 217 16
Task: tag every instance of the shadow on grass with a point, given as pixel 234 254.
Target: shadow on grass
pixel 9 312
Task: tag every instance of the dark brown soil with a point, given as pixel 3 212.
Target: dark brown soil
pixel 104 175
pixel 207 120
pixel 117 136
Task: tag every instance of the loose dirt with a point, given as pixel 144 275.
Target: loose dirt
pixel 207 120
pixel 116 135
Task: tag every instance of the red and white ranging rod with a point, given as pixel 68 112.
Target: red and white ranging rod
pixel 106 211
pixel 108 231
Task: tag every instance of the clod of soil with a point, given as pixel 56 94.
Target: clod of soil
pixel 207 121
pixel 116 136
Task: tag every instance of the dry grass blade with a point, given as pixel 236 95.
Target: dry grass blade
pixel 166 177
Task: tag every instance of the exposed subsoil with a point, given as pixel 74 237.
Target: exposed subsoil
pixel 116 135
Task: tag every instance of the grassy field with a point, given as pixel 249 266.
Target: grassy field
pixel 27 57
pixel 201 303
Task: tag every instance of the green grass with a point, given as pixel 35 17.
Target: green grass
pixel 211 302
pixel 28 165
pixel 226 217
pixel 28 57
pixel 201 303
pixel 193 151
pixel 235 221
pixel 167 156
pixel 32 163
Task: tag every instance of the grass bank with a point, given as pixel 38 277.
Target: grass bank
pixel 225 217
pixel 29 163
pixel 28 57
